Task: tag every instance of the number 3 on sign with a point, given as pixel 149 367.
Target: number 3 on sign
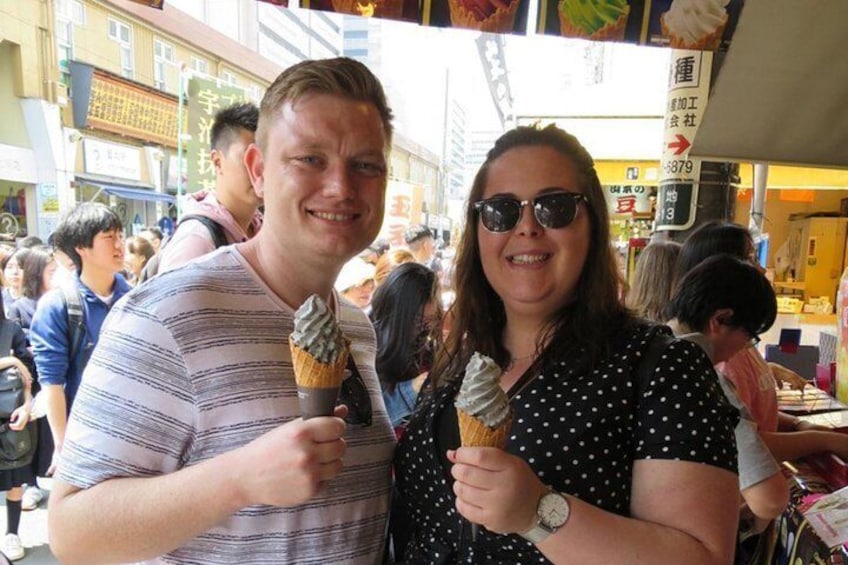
pixel 678 166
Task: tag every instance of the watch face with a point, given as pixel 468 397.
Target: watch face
pixel 553 510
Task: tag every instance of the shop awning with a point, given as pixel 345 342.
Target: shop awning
pixel 779 96
pixel 136 193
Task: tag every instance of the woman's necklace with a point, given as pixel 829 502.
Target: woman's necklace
pixel 515 360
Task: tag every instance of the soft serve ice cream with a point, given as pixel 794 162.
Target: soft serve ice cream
pixel 695 24
pixel 319 356
pixel 593 19
pixel 480 395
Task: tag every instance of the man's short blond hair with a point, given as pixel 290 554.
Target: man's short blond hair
pixel 340 76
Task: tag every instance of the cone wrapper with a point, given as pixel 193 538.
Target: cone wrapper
pixel 709 42
pixel 317 383
pixel 474 433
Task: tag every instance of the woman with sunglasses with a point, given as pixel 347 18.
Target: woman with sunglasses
pixel 605 462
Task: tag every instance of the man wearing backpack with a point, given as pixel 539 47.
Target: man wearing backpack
pixel 234 204
pixel 92 236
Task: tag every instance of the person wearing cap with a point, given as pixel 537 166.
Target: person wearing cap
pixel 374 251
pixel 356 282
pixel 419 240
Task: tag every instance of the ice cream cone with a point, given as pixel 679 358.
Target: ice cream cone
pixel 317 383
pixel 474 433
pixel 611 32
pixel 708 42
pixel 389 9
pixel 501 21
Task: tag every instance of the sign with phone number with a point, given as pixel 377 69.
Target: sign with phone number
pixel 688 90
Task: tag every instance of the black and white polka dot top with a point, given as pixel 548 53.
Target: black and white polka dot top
pixel 580 427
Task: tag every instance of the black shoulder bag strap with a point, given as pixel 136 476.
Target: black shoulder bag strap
pixel 76 318
pixel 215 229
pixel 7 335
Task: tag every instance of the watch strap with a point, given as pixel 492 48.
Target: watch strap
pixel 537 533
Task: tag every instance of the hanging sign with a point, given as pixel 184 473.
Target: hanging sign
pixel 689 86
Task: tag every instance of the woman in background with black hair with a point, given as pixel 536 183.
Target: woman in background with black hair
pixel 39 270
pixel 14 474
pixel 406 314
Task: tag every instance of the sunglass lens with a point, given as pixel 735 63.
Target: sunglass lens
pixel 500 215
pixel 555 210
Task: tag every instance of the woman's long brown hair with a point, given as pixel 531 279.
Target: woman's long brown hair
pixel 478 313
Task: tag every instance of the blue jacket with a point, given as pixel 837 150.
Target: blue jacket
pixel 50 339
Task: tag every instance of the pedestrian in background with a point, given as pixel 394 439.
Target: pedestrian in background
pixel 16 473
pixel 38 279
pixel 91 234
pixel 407 316
pixel 234 204
pixel 138 252
pixel 652 280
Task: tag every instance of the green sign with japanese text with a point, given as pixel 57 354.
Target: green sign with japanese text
pixel 205 98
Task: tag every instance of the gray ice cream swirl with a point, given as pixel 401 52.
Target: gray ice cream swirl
pixel 481 394
pixel 316 330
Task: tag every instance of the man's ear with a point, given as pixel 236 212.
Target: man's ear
pixel 720 318
pixel 82 251
pixel 215 156
pixel 255 165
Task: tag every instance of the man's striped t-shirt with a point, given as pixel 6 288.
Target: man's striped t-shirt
pixel 196 363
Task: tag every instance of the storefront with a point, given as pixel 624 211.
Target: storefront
pixel 125 145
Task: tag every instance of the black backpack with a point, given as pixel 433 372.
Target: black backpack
pixel 17 448
pixel 151 269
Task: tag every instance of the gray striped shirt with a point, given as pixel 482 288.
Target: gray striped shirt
pixel 196 363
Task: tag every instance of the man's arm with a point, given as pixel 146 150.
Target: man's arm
pixel 50 344
pixel 57 417
pixel 789 446
pixel 141 518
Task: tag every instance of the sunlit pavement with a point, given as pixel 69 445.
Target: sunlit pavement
pixel 33 531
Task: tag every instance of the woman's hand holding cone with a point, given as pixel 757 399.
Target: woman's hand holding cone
pixel 495 489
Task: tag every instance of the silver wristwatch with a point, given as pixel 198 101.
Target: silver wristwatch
pixel 551 514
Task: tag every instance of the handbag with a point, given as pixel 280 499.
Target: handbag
pixel 16 447
pixel 11 391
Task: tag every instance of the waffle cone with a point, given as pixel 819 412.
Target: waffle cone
pixel 390 9
pixel 709 42
pixel 474 433
pixel 611 32
pixel 502 21
pixel 309 372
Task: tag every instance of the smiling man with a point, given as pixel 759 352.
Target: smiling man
pixel 187 445
pixel 92 236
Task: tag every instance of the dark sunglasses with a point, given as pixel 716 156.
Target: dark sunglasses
pixel 553 210
pixel 354 395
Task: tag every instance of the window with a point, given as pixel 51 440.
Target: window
pixel 64 49
pixel 122 34
pixel 199 65
pixel 228 78
pixel 255 93
pixel 71 10
pixel 163 56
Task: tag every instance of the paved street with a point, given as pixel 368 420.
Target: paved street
pixel 33 532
